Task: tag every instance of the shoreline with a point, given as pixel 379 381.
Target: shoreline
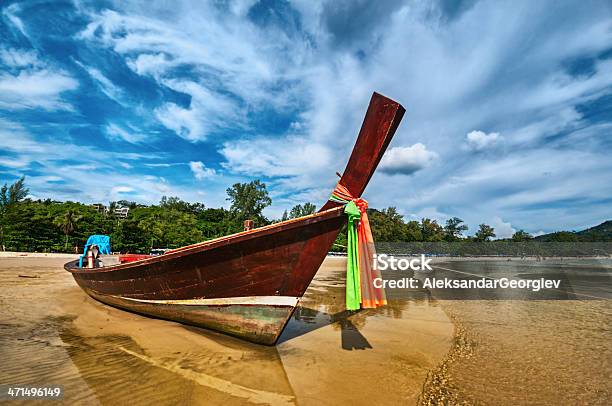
pixel 18 254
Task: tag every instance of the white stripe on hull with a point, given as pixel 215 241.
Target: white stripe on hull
pixel 245 300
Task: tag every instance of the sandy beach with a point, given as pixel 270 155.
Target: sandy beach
pixel 52 333
pixel 417 350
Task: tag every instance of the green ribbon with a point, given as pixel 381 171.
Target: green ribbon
pixel 353 282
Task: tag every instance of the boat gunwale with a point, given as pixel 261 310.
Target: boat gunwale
pixel 214 243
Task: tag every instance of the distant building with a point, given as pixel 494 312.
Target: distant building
pixel 122 212
pixel 100 208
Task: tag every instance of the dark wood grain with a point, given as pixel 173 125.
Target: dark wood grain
pixel 379 126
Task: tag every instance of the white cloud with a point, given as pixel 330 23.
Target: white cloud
pixel 533 189
pixel 51 178
pixel 407 160
pixel 184 122
pixel 231 54
pixel 35 89
pixel 162 165
pixel 430 212
pixel 15 163
pixel 30 82
pixel 108 184
pixel 241 7
pixel 107 87
pixel 17 58
pixel 117 190
pixel 479 140
pixel 11 13
pixel 149 64
pixel 502 228
pixel 200 171
pixel 114 131
pixel 268 156
pixel 16 140
pixel 208 111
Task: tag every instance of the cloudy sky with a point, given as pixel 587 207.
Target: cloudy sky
pixel 508 122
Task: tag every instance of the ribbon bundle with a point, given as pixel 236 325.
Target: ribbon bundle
pixel 360 290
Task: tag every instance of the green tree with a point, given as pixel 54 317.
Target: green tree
pixel 387 225
pixel 300 211
pixel 217 222
pixel 413 231
pixel 176 203
pixel 453 229
pixel 521 235
pixel 431 230
pixel 248 201
pixel 68 224
pixel 180 229
pixel 127 236
pixel 562 236
pixel 30 228
pixel 152 226
pixel 170 228
pixel 341 243
pixel 9 197
pixel 484 233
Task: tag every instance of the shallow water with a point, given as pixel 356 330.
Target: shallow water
pixel 520 349
pixel 52 333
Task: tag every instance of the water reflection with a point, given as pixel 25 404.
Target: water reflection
pixel 115 366
pixel 306 320
pixel 584 281
pixel 323 306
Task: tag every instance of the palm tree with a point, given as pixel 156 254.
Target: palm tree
pixel 10 196
pixel 67 223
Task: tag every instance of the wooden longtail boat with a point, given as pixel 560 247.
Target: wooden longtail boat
pixel 246 284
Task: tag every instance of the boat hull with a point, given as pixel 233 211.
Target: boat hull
pixel 258 319
pixel 246 285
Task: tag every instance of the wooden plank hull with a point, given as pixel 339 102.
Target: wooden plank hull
pixel 257 319
pixel 246 285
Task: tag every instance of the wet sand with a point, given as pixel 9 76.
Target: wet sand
pixel 527 353
pixel 536 352
pixel 52 333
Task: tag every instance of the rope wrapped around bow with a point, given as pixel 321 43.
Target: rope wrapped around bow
pixel 360 275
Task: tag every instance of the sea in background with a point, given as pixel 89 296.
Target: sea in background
pixel 425 347
pixel 514 346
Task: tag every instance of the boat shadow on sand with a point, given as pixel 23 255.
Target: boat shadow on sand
pixel 306 320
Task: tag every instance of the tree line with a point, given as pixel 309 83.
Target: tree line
pixel 53 226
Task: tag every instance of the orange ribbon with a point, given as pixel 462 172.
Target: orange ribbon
pixel 371 297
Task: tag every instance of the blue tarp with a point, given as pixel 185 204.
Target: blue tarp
pixel 103 243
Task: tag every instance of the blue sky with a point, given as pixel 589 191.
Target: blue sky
pixel 509 104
